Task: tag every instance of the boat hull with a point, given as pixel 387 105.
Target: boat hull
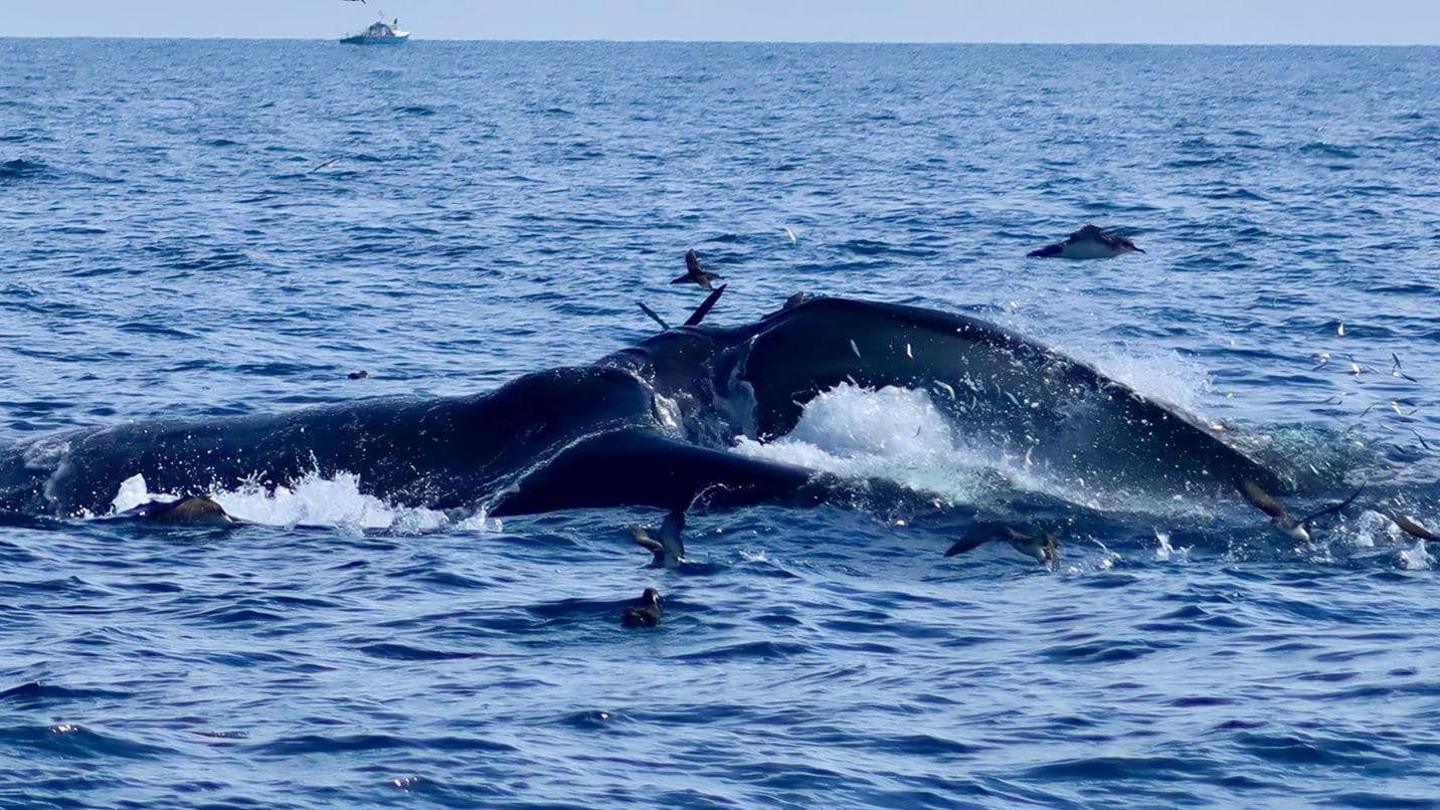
pixel 364 40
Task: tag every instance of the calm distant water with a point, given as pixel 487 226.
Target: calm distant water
pixel 215 228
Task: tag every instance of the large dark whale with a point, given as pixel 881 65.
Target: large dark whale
pixel 653 424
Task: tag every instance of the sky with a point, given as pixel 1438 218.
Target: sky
pixel 1379 22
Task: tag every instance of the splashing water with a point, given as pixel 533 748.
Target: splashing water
pixel 1416 557
pixel 1166 552
pixel 899 435
pixel 893 433
pixel 1372 527
pixel 314 501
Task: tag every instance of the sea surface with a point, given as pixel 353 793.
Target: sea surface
pixel 208 228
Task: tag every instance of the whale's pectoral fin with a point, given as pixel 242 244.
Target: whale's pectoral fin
pixel 643 468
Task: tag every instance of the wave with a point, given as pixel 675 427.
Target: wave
pixel 1329 150
pixel 20 169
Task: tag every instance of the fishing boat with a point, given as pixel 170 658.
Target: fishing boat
pixel 379 33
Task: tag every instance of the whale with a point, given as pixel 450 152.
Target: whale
pixel 654 425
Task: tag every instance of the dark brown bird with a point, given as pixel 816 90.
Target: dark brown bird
pixel 358 375
pixel 190 510
pixel 1045 549
pixel 645 613
pixel 695 274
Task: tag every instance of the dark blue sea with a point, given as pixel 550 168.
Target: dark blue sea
pixel 211 228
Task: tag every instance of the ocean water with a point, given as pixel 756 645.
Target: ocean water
pixel 213 228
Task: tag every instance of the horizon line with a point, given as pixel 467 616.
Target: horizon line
pixel 662 41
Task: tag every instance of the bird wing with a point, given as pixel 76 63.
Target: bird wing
pixel 1262 500
pixel 645 541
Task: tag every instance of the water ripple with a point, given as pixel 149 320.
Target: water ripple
pixel 188 235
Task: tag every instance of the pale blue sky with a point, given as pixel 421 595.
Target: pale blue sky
pixel 1171 21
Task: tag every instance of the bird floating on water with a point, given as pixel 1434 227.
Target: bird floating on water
pixel 645 613
pixel 1090 242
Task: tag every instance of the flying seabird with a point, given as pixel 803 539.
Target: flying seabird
pixel 1089 242
pixel 695 274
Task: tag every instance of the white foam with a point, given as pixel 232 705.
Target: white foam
pixel 1108 559
pixel 1372 527
pixel 890 433
pixel 898 434
pixel 313 501
pixel 1416 557
pixel 1167 552
pixel 133 492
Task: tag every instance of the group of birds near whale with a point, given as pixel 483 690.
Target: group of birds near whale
pixel 652 425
